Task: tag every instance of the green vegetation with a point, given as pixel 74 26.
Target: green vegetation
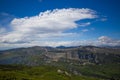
pixel 45 72
pixel 8 72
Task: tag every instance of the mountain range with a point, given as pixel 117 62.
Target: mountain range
pixel 40 55
pixel 62 63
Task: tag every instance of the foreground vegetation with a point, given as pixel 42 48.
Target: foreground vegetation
pixel 50 72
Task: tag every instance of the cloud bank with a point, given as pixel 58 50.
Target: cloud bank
pixel 46 29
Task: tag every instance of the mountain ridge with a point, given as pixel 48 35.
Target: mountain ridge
pixel 83 54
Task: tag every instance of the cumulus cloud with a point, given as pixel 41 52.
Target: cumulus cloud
pixel 49 29
pixel 96 42
pixel 48 25
pixel 104 40
pixel 56 20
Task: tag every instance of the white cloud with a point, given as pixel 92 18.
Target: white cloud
pixel 85 30
pixel 56 20
pixel 101 41
pixel 48 29
pixel 2 30
pixel 46 25
pixel 104 40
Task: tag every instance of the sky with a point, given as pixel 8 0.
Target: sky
pixel 25 23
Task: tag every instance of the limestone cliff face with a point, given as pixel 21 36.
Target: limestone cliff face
pixel 88 54
pixel 38 55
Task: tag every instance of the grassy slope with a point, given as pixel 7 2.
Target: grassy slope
pixel 36 73
pixel 89 72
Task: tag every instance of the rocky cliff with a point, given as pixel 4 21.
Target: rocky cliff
pixel 40 55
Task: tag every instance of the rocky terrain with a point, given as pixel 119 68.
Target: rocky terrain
pixel 62 63
pixel 39 55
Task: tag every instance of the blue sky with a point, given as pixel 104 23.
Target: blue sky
pixel 62 22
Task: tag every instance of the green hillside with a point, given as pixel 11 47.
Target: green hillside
pixel 8 72
pixel 49 72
